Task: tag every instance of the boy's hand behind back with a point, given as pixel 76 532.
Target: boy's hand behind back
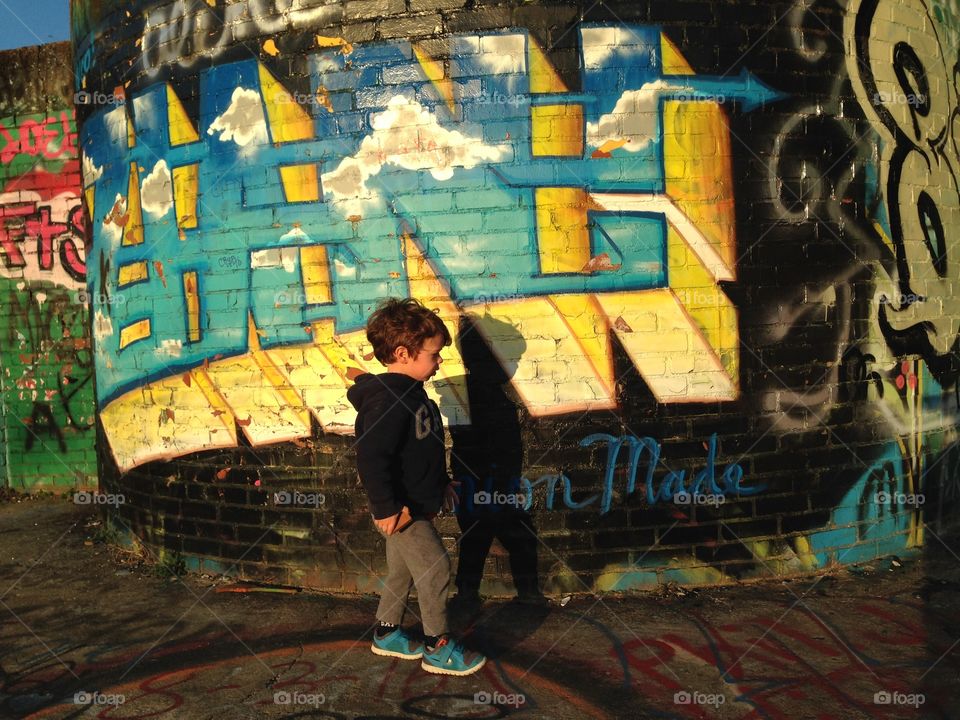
pixel 394 523
pixel 387 524
pixel 451 496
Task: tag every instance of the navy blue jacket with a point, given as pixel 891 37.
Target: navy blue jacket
pixel 400 450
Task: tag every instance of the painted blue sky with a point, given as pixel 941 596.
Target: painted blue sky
pixel 33 22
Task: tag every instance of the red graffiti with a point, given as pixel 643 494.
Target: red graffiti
pixel 25 222
pixel 46 184
pixel 772 664
pixel 52 139
pixel 311 679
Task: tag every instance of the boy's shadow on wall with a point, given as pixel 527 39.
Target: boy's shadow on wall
pixel 487 459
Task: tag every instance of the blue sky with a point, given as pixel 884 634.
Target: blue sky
pixel 33 22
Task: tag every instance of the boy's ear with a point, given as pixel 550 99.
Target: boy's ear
pixel 401 354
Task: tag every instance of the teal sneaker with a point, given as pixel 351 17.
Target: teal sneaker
pixel 397 644
pixel 449 657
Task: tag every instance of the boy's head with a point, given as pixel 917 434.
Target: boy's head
pixel 407 337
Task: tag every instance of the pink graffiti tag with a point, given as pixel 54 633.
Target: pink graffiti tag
pixel 20 222
pixel 51 139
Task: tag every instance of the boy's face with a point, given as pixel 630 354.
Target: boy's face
pixel 424 365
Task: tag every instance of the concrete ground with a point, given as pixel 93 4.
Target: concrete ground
pixel 81 622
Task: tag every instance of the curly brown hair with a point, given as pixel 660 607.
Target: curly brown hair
pixel 403 323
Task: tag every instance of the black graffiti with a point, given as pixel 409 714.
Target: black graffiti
pixel 104 277
pixel 71 379
pixel 42 421
pixel 856 377
pixel 934 237
pixel 882 480
pixel 906 65
pixel 53 332
pixel 923 154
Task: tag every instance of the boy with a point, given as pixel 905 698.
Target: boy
pixel 401 460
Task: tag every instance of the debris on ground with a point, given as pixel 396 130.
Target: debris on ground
pixel 673 590
pixel 247 587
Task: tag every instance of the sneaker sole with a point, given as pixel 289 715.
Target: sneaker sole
pixel 390 653
pixel 443 671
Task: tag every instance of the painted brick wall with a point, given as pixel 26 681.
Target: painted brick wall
pixel 46 367
pixel 694 254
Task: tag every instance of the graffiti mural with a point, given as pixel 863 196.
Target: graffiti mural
pixel 490 186
pixel 901 99
pixel 847 351
pixel 909 97
pixel 41 238
pixel 46 362
pixel 701 291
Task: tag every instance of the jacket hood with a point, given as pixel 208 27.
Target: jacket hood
pixel 369 386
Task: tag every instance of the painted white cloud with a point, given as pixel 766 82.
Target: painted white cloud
pixel 143 105
pixel 634 118
pixel 324 63
pixel 243 121
pixel 502 54
pixel 91 172
pixel 285 257
pixel 408 136
pixel 156 191
pixel 344 270
pixel 169 348
pixel 102 326
pixel 116 124
pixel 598 44
pixel 295 234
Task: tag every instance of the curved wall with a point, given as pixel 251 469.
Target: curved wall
pixel 698 259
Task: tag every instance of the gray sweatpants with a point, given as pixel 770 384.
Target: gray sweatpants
pixel 416 558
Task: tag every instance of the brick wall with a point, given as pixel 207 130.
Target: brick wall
pixel 46 368
pixel 694 255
